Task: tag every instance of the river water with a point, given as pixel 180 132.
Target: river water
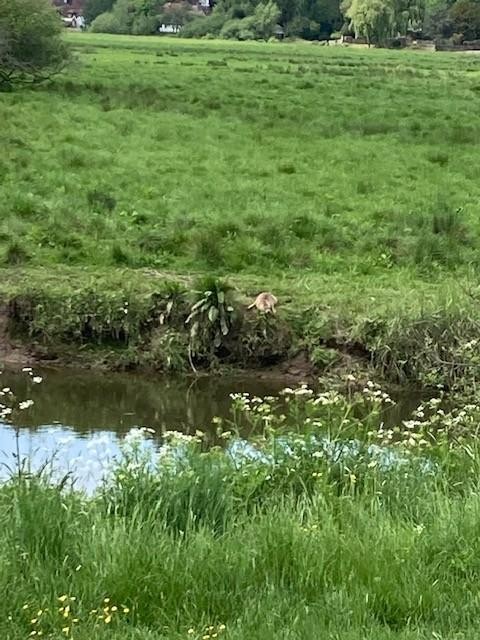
pixel 80 417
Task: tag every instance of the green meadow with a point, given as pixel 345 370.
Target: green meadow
pixel 244 158
pixel 343 180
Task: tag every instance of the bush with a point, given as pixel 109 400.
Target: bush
pixel 238 29
pixel 201 27
pixel 31 46
pixel 236 24
pixel 144 25
pixel 107 23
pixel 304 28
pixel 94 8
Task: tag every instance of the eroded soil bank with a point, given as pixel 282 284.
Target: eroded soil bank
pixel 151 321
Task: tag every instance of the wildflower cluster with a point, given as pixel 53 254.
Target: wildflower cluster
pixel 66 617
pixel 258 411
pixel 432 426
pixel 178 438
pixel 36 617
pixel 208 633
pixel 375 393
pixel 109 612
pixel 9 403
pixel 67 604
pixel 302 407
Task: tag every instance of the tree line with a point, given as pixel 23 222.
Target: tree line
pixel 378 21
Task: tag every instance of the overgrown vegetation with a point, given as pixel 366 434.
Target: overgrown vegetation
pixel 31 47
pixel 325 512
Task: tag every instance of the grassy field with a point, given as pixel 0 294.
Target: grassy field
pixel 244 158
pixel 343 180
pixel 313 536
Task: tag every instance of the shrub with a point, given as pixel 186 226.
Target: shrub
pixel 107 22
pixel 144 25
pixel 167 350
pixel 31 46
pixel 238 29
pixel 200 27
pixel 94 8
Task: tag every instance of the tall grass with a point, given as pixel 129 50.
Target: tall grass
pixel 289 539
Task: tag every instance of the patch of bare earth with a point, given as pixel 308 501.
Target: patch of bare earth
pixel 11 352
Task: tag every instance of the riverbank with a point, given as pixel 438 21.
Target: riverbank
pixel 353 530
pixel 392 325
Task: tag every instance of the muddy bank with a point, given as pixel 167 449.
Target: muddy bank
pixel 12 352
pixel 170 325
pixel 87 329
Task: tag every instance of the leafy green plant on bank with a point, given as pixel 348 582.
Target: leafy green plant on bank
pixel 210 319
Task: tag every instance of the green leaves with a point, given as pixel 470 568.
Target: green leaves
pixel 213 314
pixel 31 44
pixel 210 319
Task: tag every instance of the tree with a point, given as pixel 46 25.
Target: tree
pixel 265 19
pixel 465 16
pixel 409 14
pixel 374 19
pixel 258 19
pixel 94 8
pixel 436 20
pixel 31 44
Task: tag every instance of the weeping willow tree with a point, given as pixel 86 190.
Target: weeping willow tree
pixel 374 19
pixel 379 20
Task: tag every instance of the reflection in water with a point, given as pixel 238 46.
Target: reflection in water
pixel 81 416
pixel 91 401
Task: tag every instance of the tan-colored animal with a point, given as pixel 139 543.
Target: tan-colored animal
pixel 265 302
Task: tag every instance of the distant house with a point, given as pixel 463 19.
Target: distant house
pixel 169 28
pixel 70 9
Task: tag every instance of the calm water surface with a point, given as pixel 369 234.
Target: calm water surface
pixel 81 417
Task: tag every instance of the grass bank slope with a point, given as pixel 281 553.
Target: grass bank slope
pixel 328 526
